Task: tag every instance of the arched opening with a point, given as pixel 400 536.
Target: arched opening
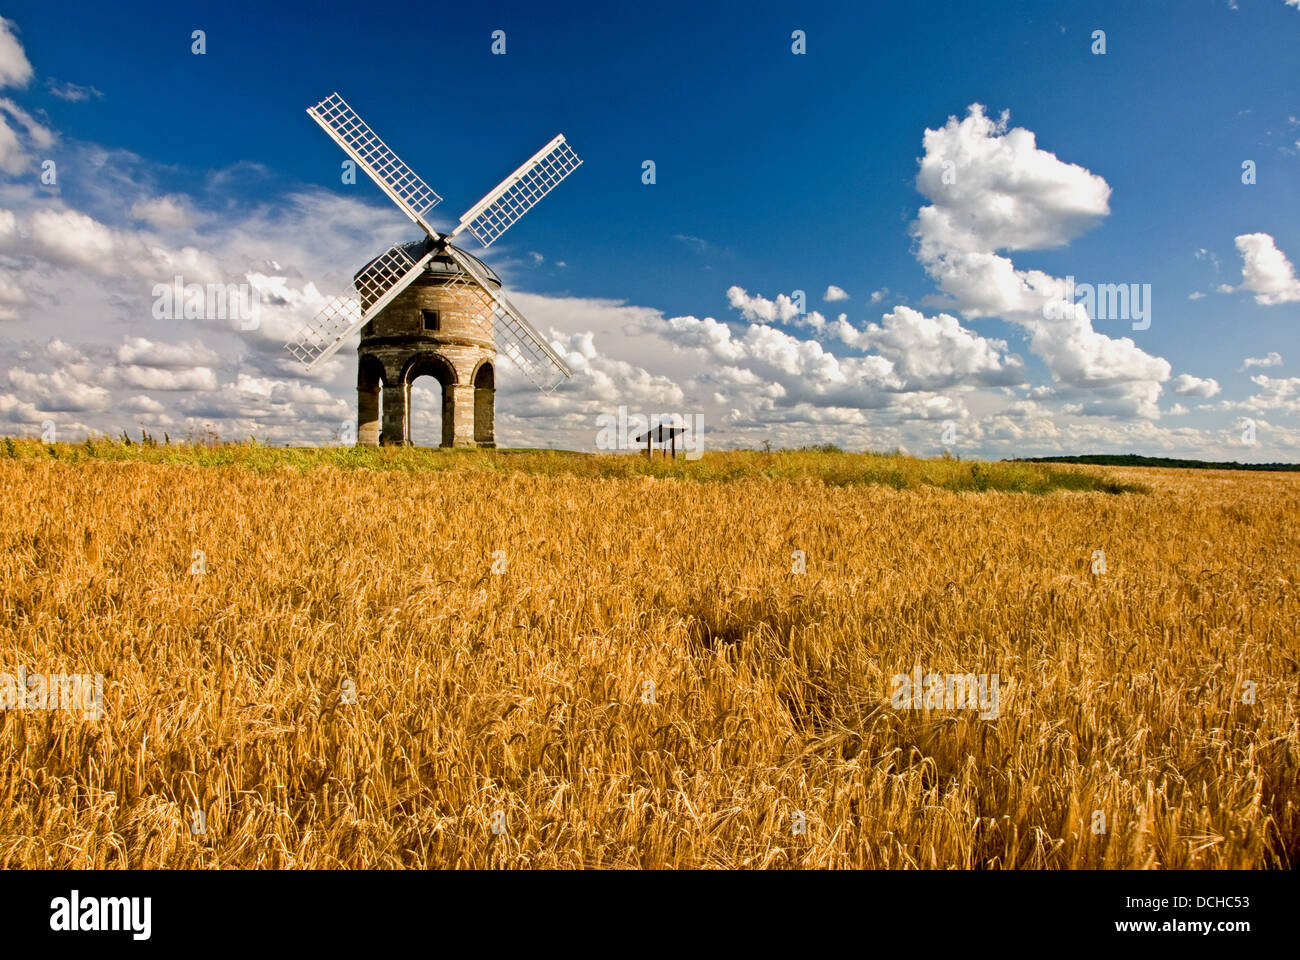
pixel 370 386
pixel 484 399
pixel 429 402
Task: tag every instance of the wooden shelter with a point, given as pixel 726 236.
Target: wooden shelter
pixel 661 433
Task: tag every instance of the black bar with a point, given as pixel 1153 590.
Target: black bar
pixel 330 911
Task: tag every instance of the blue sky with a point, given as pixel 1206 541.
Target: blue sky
pixel 775 172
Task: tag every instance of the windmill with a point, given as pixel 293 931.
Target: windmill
pixel 428 306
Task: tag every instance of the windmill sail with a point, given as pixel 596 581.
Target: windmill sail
pixel 403 186
pixel 518 193
pixel 388 275
pixel 515 336
pixel 377 286
pixel 331 327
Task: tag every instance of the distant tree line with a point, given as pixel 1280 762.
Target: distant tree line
pixel 1133 460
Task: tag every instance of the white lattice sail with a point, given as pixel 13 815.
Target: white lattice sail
pixel 382 273
pixel 325 334
pixel 403 186
pixel 515 336
pixel 377 285
pixel 516 194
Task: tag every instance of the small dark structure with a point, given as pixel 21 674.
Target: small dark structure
pixel 661 433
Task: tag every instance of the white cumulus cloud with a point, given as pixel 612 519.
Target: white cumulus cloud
pixel 1273 359
pixel 1185 385
pixel 1265 270
pixel 15 68
pixel 169 212
pixel 992 188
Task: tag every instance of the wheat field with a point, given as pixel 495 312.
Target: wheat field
pixel 486 667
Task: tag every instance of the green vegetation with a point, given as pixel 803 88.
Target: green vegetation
pixel 1133 460
pixel 832 468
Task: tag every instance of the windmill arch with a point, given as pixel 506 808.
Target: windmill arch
pixel 440 369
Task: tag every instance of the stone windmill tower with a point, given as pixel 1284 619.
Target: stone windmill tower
pixel 428 307
pixel 434 327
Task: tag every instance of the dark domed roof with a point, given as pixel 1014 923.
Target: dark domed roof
pixel 441 265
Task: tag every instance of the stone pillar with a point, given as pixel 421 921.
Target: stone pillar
pixel 462 416
pixel 448 415
pixel 368 416
pixel 484 429
pixel 395 401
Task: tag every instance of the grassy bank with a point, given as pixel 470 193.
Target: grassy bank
pixel 830 467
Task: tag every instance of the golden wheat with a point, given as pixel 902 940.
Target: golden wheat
pixel 376 669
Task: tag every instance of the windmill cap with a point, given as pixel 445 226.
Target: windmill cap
pixel 441 265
